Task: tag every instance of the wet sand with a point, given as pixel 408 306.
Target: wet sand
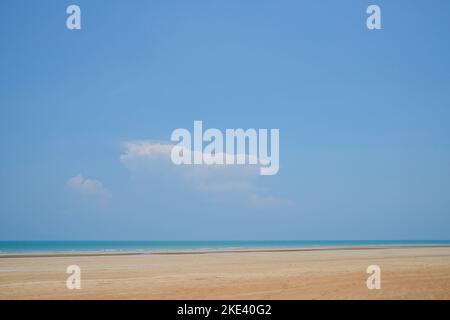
pixel 410 272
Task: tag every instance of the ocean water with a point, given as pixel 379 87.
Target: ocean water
pixel 149 246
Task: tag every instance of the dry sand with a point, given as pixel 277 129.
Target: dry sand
pixel 406 273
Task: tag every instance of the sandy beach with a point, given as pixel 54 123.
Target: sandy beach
pixel 333 273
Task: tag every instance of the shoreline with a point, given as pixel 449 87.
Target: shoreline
pixel 64 254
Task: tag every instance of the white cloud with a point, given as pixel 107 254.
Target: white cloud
pixel 88 186
pixel 145 149
pixel 218 180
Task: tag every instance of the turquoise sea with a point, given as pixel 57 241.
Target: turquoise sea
pixel 149 246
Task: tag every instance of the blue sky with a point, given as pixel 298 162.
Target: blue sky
pixel 363 118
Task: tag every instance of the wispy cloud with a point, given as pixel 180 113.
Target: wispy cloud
pixel 145 149
pixel 88 187
pixel 220 181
